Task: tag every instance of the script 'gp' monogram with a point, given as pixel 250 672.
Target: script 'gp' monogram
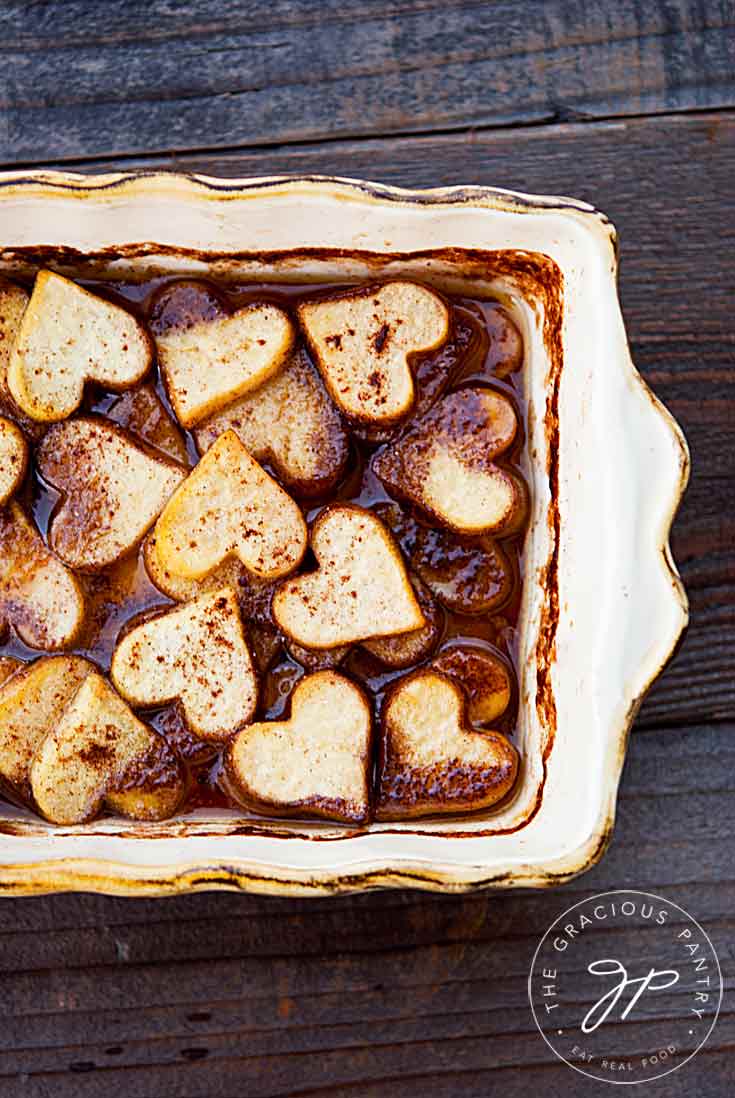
pixel 654 980
pixel 610 966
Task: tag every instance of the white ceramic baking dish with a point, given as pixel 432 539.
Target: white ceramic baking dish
pixel 603 606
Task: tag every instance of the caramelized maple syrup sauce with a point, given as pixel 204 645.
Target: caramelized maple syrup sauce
pixel 485 349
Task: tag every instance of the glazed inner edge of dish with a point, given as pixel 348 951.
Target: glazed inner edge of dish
pixel 529 287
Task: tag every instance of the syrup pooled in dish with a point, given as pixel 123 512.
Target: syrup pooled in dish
pixel 260 548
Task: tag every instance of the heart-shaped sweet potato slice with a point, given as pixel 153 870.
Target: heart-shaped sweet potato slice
pixel 316 763
pixel 290 422
pixel 229 506
pixel 445 463
pixel 90 754
pixel 38 596
pixel 32 701
pixel 469 577
pixel 432 762
pixel 68 336
pixel 13 459
pixel 363 343
pixel 112 490
pixel 198 655
pixel 482 674
pixel 360 590
pixel 210 356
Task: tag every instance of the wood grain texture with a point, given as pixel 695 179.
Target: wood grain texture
pixel 88 79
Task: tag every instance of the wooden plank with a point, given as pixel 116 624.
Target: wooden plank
pixel 83 79
pixel 553 1078
pixel 394 1052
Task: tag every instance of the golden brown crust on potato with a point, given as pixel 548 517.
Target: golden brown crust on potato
pixel 89 754
pixel 318 659
pixel 432 762
pixel 505 354
pixel 141 412
pixel 407 649
pixel 181 589
pixel 469 577
pixel 13 302
pixel 316 763
pixel 153 786
pixel 8 666
pixel 483 675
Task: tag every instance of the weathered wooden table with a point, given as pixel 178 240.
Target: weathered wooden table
pixel 630 105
